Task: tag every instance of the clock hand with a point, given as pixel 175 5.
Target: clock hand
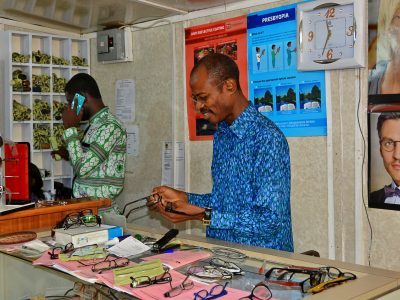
pixel 327 37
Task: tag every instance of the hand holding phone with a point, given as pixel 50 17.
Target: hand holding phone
pixel 80 101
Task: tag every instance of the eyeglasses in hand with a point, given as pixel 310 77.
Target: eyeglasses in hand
pixel 215 292
pixel 151 202
pixel 260 292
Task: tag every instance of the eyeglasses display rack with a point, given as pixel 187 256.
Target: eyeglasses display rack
pixel 36 69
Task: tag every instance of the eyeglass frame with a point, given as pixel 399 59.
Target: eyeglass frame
pixel 80 215
pixel 148 204
pixel 228 252
pixel 125 262
pixel 295 270
pixel 209 294
pixel 222 274
pixel 254 297
pixel 68 248
pixel 151 281
pixel 181 287
pixel 330 283
pixel 393 143
pixel 236 270
pixel 195 98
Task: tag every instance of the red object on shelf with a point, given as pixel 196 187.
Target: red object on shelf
pixel 16 170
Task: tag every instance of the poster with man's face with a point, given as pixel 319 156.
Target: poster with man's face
pixel 384 103
pixel 384 160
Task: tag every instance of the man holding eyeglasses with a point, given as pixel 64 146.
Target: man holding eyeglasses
pixel 388 127
pixel 250 198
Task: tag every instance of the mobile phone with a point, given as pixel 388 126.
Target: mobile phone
pixel 78 97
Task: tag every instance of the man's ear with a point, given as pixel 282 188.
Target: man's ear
pixel 231 85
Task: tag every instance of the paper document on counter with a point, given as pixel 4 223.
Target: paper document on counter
pixel 128 247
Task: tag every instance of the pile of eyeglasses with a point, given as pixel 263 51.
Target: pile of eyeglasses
pixel 308 280
pixel 77 219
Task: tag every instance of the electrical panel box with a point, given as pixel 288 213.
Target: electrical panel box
pixel 114 45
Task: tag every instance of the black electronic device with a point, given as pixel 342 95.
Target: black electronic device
pixel 159 245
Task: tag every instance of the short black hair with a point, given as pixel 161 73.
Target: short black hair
pixel 83 83
pixel 220 67
pixel 384 117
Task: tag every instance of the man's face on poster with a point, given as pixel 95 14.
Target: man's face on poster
pixel 390 132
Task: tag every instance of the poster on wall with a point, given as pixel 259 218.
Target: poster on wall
pixel 384 104
pixel 294 100
pixel 226 37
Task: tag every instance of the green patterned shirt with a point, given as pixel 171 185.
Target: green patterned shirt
pixel 99 160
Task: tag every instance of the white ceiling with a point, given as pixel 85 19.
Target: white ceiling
pixel 92 15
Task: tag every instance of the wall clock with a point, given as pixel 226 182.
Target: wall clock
pixel 331 35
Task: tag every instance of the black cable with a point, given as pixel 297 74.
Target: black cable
pixel 362 167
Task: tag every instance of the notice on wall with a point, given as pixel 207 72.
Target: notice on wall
pixel 173 170
pixel 226 37
pixel 294 100
pixel 125 100
pixel 132 142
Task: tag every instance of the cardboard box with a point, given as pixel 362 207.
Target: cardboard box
pixel 83 235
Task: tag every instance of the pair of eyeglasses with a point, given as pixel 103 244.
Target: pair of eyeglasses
pixel 143 281
pixel 296 277
pixel 202 98
pixel 186 284
pixel 388 144
pixel 68 248
pixel 76 219
pixel 228 252
pixel 333 272
pixel 226 265
pixel 209 273
pixel 215 292
pixel 151 202
pixel 331 283
pixel 108 263
pixel 260 292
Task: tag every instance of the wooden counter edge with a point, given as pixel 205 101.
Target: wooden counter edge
pixel 75 203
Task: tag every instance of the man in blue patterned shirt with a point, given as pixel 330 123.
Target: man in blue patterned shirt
pixel 250 198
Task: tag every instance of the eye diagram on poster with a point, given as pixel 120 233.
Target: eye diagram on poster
pixel 226 37
pixel 294 100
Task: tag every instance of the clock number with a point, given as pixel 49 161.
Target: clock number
pixel 350 31
pixel 310 36
pixel 329 54
pixel 330 13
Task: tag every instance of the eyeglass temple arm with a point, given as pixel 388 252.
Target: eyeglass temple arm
pixel 134 201
pixel 133 209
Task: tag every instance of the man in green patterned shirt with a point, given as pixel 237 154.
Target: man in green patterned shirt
pixel 98 159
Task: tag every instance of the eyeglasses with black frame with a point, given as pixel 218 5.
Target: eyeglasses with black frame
pixel 304 278
pixel 388 144
pixel 151 202
pixel 143 281
pixel 260 292
pixel 76 219
pixel 68 248
pixel 186 284
pixel 215 292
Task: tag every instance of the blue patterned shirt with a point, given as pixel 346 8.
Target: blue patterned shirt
pixel 250 199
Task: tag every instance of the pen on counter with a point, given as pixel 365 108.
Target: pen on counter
pixel 262 268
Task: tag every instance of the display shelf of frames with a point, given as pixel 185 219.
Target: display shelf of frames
pixel 36 69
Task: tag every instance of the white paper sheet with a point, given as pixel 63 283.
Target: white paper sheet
pixel 128 247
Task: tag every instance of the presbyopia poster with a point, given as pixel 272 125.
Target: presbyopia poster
pixel 227 37
pixel 294 100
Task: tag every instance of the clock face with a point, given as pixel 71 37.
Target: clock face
pixel 328 33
